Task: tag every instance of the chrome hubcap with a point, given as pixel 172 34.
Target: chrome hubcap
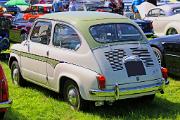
pixel 15 76
pixel 73 97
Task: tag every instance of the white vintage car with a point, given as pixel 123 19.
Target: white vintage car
pixel 166 18
pixel 88 56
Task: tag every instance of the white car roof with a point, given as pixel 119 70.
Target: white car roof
pixel 43 5
pixel 145 7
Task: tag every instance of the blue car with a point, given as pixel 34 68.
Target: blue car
pixel 4 33
pixel 167 50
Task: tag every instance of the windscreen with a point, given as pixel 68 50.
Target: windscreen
pixel 108 33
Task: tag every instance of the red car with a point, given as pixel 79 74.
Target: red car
pixel 5 103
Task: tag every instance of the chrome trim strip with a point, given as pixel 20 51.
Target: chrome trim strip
pixel 6 104
pixel 173 55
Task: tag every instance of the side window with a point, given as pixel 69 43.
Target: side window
pixel 41 32
pixel 66 37
pixel 154 13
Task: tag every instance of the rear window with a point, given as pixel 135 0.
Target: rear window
pixel 108 33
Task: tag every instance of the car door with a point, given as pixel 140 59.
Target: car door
pixel 172 56
pixel 34 58
pixel 65 42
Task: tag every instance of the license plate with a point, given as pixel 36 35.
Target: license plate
pixel 135 68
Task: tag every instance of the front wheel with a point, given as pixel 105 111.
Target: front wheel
pixel 72 95
pixel 16 76
pixel 158 55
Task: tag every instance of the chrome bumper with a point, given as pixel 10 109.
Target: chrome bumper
pixel 149 33
pixel 5 104
pixel 121 93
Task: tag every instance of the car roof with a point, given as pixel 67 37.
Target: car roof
pixel 43 5
pixel 169 6
pixel 77 16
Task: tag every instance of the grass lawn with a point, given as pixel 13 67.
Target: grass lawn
pixel 37 103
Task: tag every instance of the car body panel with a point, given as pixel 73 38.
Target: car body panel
pixel 169 47
pixel 20 25
pixel 46 64
pixel 5 102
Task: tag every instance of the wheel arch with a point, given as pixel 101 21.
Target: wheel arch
pixel 162 52
pixel 13 58
pixel 74 79
pixel 172 25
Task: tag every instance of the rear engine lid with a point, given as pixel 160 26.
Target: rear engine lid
pixel 127 63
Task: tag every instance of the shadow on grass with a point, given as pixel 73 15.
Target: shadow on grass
pixel 126 109
pixel 12 114
pixel 129 109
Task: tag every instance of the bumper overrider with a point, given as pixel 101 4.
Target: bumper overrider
pixel 5 104
pixel 130 92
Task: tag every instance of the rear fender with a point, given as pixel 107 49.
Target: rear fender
pixel 83 77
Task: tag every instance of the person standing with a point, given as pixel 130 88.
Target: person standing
pixel 57 6
pixel 72 5
pixel 120 7
pixel 134 8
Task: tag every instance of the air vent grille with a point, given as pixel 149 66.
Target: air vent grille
pixel 115 58
pixel 144 55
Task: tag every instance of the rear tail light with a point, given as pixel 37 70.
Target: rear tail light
pixel 164 72
pixel 3 86
pixel 101 81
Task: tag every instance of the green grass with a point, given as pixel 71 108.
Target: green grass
pixel 36 103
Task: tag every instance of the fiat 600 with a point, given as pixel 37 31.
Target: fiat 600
pixel 88 56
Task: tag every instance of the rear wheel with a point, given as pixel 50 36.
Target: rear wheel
pixel 16 76
pixel 72 95
pixel 172 31
pixel 158 54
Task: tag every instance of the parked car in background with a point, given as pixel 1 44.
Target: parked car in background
pixel 167 50
pixel 20 27
pixel 13 10
pixel 5 24
pixel 5 103
pixel 165 18
pixel 41 8
pixel 88 56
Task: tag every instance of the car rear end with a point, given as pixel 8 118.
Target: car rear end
pixel 146 26
pixel 5 103
pixel 129 67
